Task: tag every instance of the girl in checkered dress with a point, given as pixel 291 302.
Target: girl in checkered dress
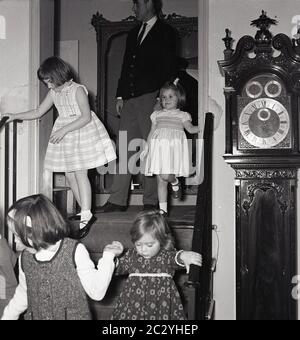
pixel 78 141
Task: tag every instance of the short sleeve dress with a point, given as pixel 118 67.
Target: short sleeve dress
pixel 85 148
pixel 147 297
pixel 168 149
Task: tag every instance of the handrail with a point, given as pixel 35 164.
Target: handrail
pixel 3 121
pixel 10 166
pixel 199 285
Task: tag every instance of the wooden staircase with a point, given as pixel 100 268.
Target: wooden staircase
pixel 192 230
pixel 115 227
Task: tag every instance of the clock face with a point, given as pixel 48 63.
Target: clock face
pixel 265 122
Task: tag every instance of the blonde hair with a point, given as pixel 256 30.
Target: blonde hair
pixel 178 90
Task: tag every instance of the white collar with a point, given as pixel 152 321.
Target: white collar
pixel 152 21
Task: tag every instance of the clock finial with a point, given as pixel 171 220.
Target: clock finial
pixel 263 35
pixel 228 43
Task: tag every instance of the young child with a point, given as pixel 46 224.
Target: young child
pixel 54 280
pixel 8 281
pixel 150 292
pixel 167 147
pixel 78 142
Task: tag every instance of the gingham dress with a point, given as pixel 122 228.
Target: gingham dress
pixel 168 149
pixel 85 148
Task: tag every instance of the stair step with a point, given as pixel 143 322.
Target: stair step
pixel 116 227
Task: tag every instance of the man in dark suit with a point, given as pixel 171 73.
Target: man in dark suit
pixel 149 61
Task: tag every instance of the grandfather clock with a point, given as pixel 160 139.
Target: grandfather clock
pixel 262 91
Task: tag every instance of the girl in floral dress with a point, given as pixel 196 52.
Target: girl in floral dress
pixel 78 141
pixel 150 292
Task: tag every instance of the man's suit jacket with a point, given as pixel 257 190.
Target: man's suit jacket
pixel 148 66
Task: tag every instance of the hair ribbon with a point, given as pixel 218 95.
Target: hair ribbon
pixel 176 81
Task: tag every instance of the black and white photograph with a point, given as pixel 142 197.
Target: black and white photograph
pixel 149 159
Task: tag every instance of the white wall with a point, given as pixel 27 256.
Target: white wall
pixel 27 21
pixel 14 79
pixel 235 15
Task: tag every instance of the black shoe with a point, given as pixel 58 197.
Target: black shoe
pixel 176 194
pixel 110 207
pixel 86 229
pixel 163 213
pixel 74 218
pixel 150 207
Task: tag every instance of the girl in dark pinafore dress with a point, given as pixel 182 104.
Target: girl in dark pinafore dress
pixel 55 272
pixel 150 292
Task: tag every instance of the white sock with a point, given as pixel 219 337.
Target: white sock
pixel 175 186
pixel 86 215
pixel 163 206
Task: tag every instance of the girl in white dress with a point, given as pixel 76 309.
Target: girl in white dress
pixel 78 141
pixel 166 150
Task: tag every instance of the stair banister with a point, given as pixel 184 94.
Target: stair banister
pixel 199 284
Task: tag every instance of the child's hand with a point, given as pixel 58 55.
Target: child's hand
pixel 115 247
pixel 57 136
pixel 9 117
pixel 157 106
pixel 190 257
pixel 144 153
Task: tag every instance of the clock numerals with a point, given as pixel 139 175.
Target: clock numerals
pixel 264 123
pixel 263 103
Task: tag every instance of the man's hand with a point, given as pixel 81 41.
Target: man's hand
pixel 119 106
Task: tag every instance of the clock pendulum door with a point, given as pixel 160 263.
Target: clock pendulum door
pixel 265 227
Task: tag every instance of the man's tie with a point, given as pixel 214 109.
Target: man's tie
pixel 140 37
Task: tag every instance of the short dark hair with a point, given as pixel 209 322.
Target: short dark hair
pixel 47 224
pixel 158 5
pixel 154 223
pixel 56 70
pixel 179 91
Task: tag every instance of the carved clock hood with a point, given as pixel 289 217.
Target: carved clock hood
pixel 270 67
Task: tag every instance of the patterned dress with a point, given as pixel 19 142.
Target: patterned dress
pixel 85 148
pixel 168 149
pixel 150 292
